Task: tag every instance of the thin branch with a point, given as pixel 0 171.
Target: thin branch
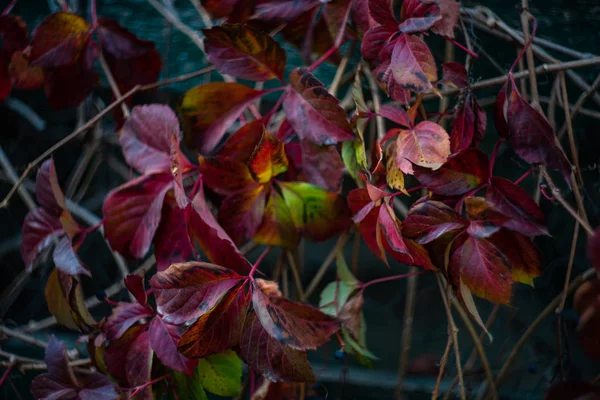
pixel 25 111
pixel 204 16
pixel 297 280
pixel 113 83
pixel 525 15
pixel 577 107
pixel 323 268
pixel 488 326
pixel 572 145
pixel 376 100
pixel 407 328
pixel 11 174
pixel 436 390
pixel 339 73
pixel 178 24
pixel 23 337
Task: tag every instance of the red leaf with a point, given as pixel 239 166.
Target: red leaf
pixel 427 145
pixel 385 74
pixel 65 258
pixel 146 138
pixel 374 41
pixel 482 267
pixel 117 350
pixel 132 213
pixel 5 79
pixel 135 284
pixel 391 228
pixel 240 145
pixel 219 329
pixel 485 219
pixel 521 253
pixel 171 241
pixel 450 10
pixel 138 365
pixel 412 64
pixel 383 13
pixel 269 357
pixel 351 315
pixel 163 339
pixel 277 226
pixel 244 52
pixel 361 17
pixel 320 165
pixel 515 202
pixel 532 137
pixel 336 14
pixel 23 74
pixel 313 112
pixel 59 40
pixel 225 175
pixel 397 115
pixel 38 233
pixel 292 324
pixel 419 16
pixel 462 173
pixel 500 112
pixel 426 221
pixel 123 317
pixel 455 74
pixel 208 110
pixel 280 10
pixel 14 34
pixel 360 201
pixel 468 126
pixel 268 159
pixel 220 8
pixel 241 214
pixel 186 291
pixel 47 190
pixel 132 61
pixel 204 231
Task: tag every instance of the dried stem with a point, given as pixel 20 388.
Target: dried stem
pixel 376 100
pixel 577 107
pixel 323 268
pixel 206 19
pixel 113 84
pixel 339 73
pixel 453 333
pixel 535 97
pixel 178 24
pixel 11 174
pixel 436 390
pixel 407 327
pixel 297 280
pixel 569 124
pixel 23 337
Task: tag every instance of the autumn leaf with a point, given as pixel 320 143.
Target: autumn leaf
pixel 277 226
pixel 524 257
pixel 455 74
pixel 163 339
pixel 313 112
pixel 221 373
pixel 412 65
pixel 393 175
pixel 65 301
pixel 123 316
pixel 61 381
pixel 382 12
pixel 244 52
pixel 280 10
pixel 320 165
pixel 172 242
pixel 208 110
pixel 336 14
pixel 468 126
pixel 450 10
pixel 426 145
pixel 418 16
pixel 461 173
pixel 135 285
pixel 268 159
pixel 361 18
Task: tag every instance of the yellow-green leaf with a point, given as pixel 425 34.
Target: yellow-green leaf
pixel 221 373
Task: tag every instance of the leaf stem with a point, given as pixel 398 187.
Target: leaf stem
pixel 525 175
pixel 322 59
pixel 145 385
pixel 6 373
pixel 522 53
pixel 365 285
pixel 495 154
pixel 463 48
pixel 258 261
pixel 10 7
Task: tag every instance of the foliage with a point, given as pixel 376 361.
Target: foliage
pixel 229 175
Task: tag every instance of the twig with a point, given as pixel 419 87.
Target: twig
pixel 335 83
pixel 535 97
pixel 436 390
pixel 178 24
pixel 468 43
pixel 26 112
pixel 572 145
pixel 407 327
pixel 113 84
pixel 11 174
pixel 376 100
pixel 323 268
pixel 532 327
pixel 177 79
pixel 577 107
pixel 452 332
pixel 558 196
pixel 297 280
pixel 488 325
pixel 23 337
pixel 206 20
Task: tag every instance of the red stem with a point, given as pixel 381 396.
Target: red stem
pixel 339 338
pixel 138 389
pixel 522 53
pixel 389 278
pixel 257 263
pixel 93 227
pixel 546 195
pixel 274 109
pixel 463 48
pixel 321 59
pixel 525 175
pixel 6 374
pixel 494 154
pixel 10 7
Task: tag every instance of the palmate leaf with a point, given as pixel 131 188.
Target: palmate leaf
pixel 244 52
pixel 426 145
pixel 313 112
pixel 208 110
pixel 426 221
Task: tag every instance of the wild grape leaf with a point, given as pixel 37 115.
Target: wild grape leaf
pixel 186 291
pixel 171 241
pixel 320 165
pixel 313 112
pixel 241 144
pixel 292 324
pixel 268 159
pixel 383 13
pixel 532 137
pixel 393 175
pixel 317 213
pixel 461 173
pixel 205 231
pixel 485 219
pixel 163 339
pixel 397 115
pixel 132 213
pixel 391 228
pixel 242 214
pixel 428 220
pixel 412 64
pixel 336 14
pixel 123 317
pixel 267 356
pixel 427 144
pixel 62 381
pixel 521 253
pixel 450 10
pixel 455 74
pixel 374 41
pixel 225 175
pixel 219 329
pixel 482 267
pixel 468 126
pixel 244 52
pixel 132 61
pixel 58 288
pixel 385 73
pixel 208 110
pixel 146 138
pixel 135 285
pixel 419 16
pixel 280 10
pixel 277 226
pixel 516 202
pixel 221 374
pixel 59 40
pixel 137 363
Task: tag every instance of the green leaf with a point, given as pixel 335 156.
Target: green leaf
pixel 221 373
pixel 343 271
pixel 328 295
pixel 354 156
pixel 189 388
pixel 356 347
